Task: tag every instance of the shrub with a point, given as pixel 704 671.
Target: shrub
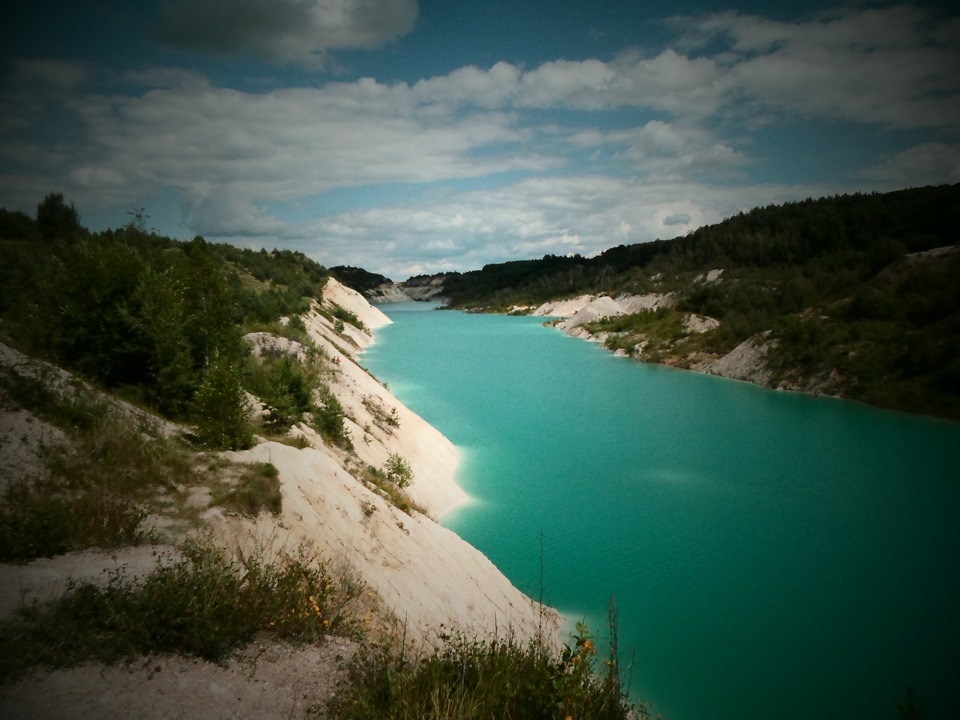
pixel 257 489
pixel 220 410
pixel 205 604
pixel 328 421
pixel 500 678
pixel 398 471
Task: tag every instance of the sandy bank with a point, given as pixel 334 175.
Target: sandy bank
pixel 424 574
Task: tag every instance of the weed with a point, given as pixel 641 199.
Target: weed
pixel 499 678
pixel 383 419
pixel 96 492
pixel 205 604
pixel 257 489
pixel 385 484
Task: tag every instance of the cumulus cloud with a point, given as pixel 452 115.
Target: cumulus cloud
pixel 293 143
pixel 287 31
pixel 930 163
pixel 891 67
pixel 887 67
pixel 531 218
pixel 641 157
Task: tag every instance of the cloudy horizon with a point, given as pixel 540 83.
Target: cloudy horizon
pixel 411 138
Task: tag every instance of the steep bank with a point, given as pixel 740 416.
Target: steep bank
pixel 423 575
pixel 747 361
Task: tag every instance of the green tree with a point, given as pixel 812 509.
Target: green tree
pixel 80 312
pixel 398 471
pixel 56 220
pixel 220 410
pixel 162 316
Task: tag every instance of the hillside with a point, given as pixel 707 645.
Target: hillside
pixel 853 296
pixel 197 467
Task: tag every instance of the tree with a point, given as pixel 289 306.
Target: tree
pixel 56 220
pixel 16 225
pixel 220 409
pixel 398 471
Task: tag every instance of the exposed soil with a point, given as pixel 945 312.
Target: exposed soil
pixel 268 680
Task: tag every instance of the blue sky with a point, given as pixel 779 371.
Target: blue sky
pixel 414 137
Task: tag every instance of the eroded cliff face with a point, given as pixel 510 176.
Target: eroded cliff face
pixel 425 575
pixel 747 362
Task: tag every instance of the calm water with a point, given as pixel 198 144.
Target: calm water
pixel 772 555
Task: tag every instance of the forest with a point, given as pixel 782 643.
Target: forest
pixel 859 287
pixel 160 322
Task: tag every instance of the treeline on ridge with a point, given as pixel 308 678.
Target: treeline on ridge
pixel 158 320
pixel 839 283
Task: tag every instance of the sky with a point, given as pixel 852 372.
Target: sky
pixel 410 137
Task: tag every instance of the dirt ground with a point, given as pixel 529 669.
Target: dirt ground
pixel 269 680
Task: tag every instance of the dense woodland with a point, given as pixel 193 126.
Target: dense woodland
pixel 160 321
pixel 841 285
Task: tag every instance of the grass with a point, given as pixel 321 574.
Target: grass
pixel 386 421
pixel 205 604
pixel 662 330
pixel 467 679
pixel 390 482
pixel 97 488
pixel 258 488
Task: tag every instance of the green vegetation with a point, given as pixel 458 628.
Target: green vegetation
pixel 474 679
pixel 660 329
pixel 159 321
pixel 258 488
pixel 390 482
pixel 328 421
pixel 384 420
pixel 398 471
pixel 97 486
pixel 359 279
pixel 845 286
pixel 205 604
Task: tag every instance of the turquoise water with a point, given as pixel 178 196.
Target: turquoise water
pixel 771 555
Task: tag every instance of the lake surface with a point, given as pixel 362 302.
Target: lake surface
pixel 772 555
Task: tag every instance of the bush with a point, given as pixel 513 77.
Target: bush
pixel 284 385
pixel 205 604
pixel 501 678
pixel 257 489
pixel 328 421
pixel 220 409
pixel 398 471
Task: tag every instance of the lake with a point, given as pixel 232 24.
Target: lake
pixel 771 555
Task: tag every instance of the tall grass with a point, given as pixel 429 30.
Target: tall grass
pixel 467 679
pixel 205 604
pixel 95 489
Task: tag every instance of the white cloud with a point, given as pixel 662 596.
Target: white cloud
pixel 287 31
pixel 882 67
pixel 295 143
pixel 669 151
pixel 530 218
pixel 927 164
pixel 658 129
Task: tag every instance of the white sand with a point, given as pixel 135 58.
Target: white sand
pixel 426 575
